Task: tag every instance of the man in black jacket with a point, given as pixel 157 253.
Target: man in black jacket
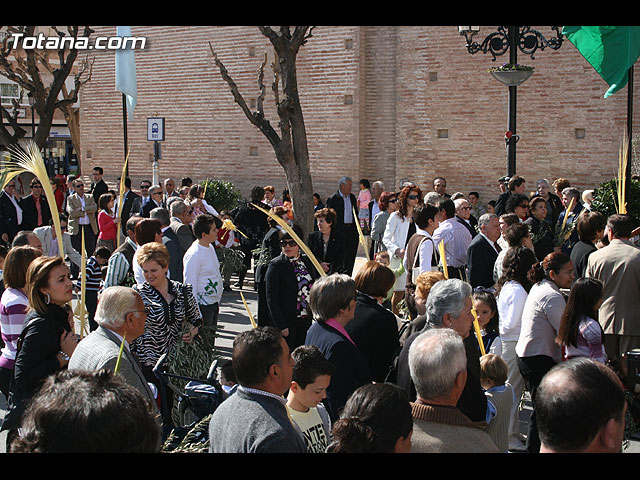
pixel 483 251
pixel 10 213
pixel 344 203
pixel 35 208
pixel 516 184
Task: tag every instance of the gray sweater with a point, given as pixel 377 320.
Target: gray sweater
pixel 253 423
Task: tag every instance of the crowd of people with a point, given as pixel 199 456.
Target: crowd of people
pixel 428 346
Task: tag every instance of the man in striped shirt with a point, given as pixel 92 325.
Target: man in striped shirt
pixel 120 266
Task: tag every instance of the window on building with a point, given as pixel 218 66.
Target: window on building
pixel 443 133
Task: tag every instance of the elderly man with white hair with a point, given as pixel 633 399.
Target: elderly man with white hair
pixel 438 365
pixel 449 306
pixel 120 316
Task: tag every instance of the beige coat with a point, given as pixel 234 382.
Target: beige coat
pixel 617 266
pixel 74 210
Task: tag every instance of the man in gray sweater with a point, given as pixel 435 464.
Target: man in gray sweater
pixel 255 419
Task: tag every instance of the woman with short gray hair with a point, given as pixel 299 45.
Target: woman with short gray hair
pixel 333 302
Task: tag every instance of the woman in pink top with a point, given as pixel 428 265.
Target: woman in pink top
pixel 13 308
pixel 107 223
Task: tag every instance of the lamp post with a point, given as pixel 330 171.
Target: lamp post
pixel 511 39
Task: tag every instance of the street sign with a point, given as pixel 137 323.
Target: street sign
pixel 155 129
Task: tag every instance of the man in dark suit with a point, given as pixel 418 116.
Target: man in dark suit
pixel 463 216
pixel 128 198
pixel 142 199
pixel 35 208
pixel 180 225
pixel 169 240
pixel 483 251
pixel 516 184
pixel 10 213
pixel 344 203
pixel 98 186
pixel 155 201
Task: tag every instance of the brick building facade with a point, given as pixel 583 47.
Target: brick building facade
pixel 383 103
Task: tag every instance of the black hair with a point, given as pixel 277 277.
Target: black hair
pixel 552 262
pixel 226 367
pixel 254 351
pixel 202 224
pixel 373 419
pixel 514 200
pixel 309 364
pixel 99 170
pixel 516 266
pixel 489 298
pixel 102 252
pixel 583 297
pixel 365 183
pixel 422 213
pixel 448 206
pixel 88 412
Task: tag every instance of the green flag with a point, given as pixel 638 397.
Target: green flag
pixel 611 51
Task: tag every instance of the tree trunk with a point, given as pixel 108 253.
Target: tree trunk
pixel 290 145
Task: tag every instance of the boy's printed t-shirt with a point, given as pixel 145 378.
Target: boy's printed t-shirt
pixel 315 437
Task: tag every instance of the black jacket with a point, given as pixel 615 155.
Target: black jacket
pixel 472 401
pixel 335 250
pixel 271 245
pixel 481 257
pixel 8 217
pixel 36 359
pixel 98 189
pixel 176 253
pixel 352 370
pixel 375 330
pixel 30 213
pixel 336 202
pixel 282 289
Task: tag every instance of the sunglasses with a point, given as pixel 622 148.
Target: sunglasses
pixel 412 197
pixel 393 200
pixel 288 243
pixel 145 187
pixel 80 185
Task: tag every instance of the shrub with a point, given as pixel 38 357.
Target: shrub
pixel 220 194
pixel 605 199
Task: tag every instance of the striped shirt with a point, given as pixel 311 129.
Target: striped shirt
pixel 13 310
pixel 94 275
pixel 165 321
pixel 118 267
pixel 456 240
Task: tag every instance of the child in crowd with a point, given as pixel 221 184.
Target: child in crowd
pixel 364 198
pixel 93 282
pixel 486 307
pixel 580 333
pixel 383 258
pixel 493 378
pixel 228 378
pixel 311 377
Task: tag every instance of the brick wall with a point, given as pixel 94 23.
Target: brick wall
pixel 374 99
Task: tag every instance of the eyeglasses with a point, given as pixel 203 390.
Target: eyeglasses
pixel 393 200
pixel 288 243
pixel 146 311
pixel 36 186
pixel 79 185
pixel 465 208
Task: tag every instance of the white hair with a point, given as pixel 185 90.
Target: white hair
pixel 446 296
pixel 436 357
pixel 114 305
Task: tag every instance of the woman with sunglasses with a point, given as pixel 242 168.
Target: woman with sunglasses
pixel 387 203
pixel 399 229
pixel 288 281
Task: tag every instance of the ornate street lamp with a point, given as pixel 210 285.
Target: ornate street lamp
pixel 511 39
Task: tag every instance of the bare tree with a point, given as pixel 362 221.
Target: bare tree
pixel 290 143
pixel 22 67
